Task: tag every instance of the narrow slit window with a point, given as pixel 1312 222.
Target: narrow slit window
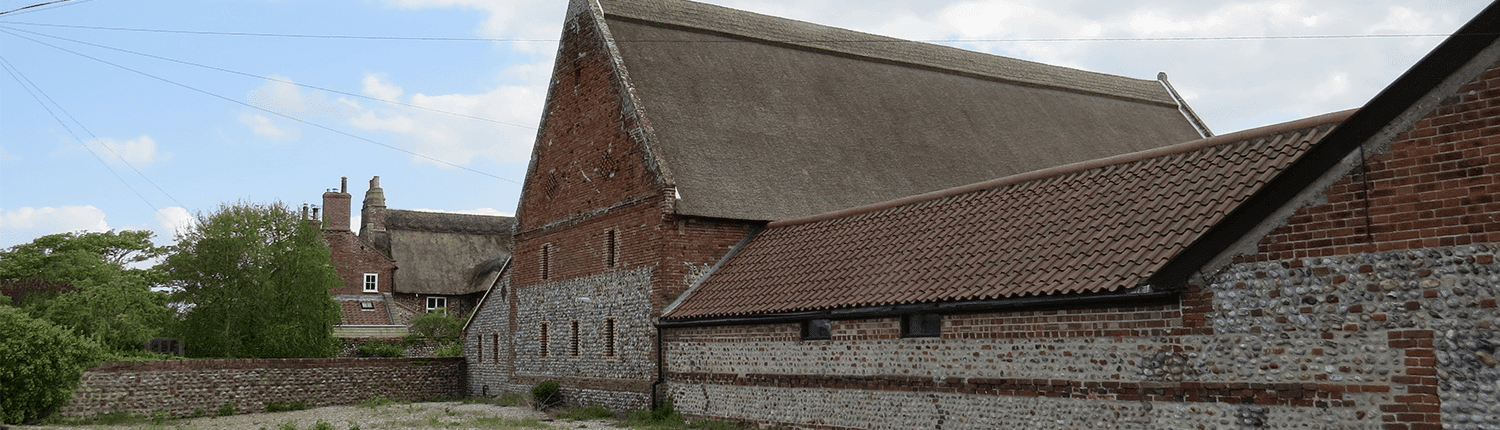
pixel 573 339
pixel 609 338
pixel 610 248
pixel 546 259
pixel 542 341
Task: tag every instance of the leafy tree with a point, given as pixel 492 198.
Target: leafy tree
pixel 85 282
pixel 256 281
pixel 40 365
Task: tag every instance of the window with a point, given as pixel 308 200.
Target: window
pixel 371 282
pixel 367 306
pixel 546 258
pixel 610 248
pixel 922 325
pixel 609 338
pixel 434 303
pixel 542 341
pixel 817 330
pixel 573 339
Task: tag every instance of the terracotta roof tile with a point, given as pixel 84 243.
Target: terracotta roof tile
pixel 1092 227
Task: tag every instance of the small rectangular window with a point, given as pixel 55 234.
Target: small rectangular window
pixel 573 339
pixel 367 306
pixel 609 248
pixel 372 284
pixel 817 330
pixel 435 303
pixel 922 325
pixel 542 341
pixel 609 338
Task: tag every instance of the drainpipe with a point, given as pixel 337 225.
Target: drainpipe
pixel 660 372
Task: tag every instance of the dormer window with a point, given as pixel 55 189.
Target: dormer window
pixel 372 282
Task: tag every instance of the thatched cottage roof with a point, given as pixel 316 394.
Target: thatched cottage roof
pixel 445 253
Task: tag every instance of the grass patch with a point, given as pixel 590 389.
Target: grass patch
pixel 503 423
pixel 667 418
pixel 285 406
pixel 227 408
pixel 591 412
pixel 378 401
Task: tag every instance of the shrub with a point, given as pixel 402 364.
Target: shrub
pixel 449 350
pixel 227 408
pixel 545 394
pixel 381 349
pixel 435 326
pixel 40 364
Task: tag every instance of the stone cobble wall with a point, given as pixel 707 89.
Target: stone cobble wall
pixel 182 388
pixel 487 343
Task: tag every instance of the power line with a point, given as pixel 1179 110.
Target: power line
pixel 330 129
pixel 28 86
pixel 273 79
pixel 33 8
pixel 481 39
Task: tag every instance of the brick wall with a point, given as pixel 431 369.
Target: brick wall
pixel 184 387
pixel 353 258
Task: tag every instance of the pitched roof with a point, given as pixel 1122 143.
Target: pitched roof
pixel 1090 227
pixel 765 118
pixel 446 253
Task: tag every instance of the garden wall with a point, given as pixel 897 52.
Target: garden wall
pixel 185 387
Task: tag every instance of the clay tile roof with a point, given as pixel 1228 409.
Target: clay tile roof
pixel 745 110
pixel 1084 228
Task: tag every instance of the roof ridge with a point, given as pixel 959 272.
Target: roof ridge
pixel 1043 174
pixel 750 25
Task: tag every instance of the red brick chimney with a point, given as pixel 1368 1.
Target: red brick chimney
pixel 336 207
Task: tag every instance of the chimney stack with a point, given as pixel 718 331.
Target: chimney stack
pixel 372 214
pixel 336 208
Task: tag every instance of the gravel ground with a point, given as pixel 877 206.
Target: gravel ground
pixel 445 415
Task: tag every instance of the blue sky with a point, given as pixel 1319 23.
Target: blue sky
pixel 171 139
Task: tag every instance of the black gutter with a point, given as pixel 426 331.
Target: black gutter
pixel 1052 302
pixel 1395 99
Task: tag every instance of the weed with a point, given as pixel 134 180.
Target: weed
pixel 592 412
pixel 227 408
pixel 287 425
pixel 159 417
pixel 512 399
pixel 322 425
pixel 353 425
pixel 502 423
pixel 377 401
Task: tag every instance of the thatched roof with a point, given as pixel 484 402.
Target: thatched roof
pixel 758 117
pixel 446 254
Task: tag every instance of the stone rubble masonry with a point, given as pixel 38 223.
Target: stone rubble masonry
pixel 185 387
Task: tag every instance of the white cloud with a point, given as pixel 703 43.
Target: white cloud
pixel 28 223
pixel 135 152
pixel 430 129
pixel 511 19
pixel 264 126
pixel 173 220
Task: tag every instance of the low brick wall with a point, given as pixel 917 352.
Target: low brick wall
pixel 182 387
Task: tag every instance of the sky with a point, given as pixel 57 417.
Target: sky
pixel 125 115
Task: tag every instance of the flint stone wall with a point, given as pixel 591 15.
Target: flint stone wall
pixel 186 387
pixel 1386 340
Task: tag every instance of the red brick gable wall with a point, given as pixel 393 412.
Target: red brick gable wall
pixel 1435 186
pixel 353 258
pixel 584 158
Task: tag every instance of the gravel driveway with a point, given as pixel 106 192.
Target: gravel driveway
pixel 445 415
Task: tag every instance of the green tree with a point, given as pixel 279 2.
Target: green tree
pixel 256 281
pixel 110 301
pixel 40 365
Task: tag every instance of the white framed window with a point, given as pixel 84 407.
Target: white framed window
pixel 437 302
pixel 367 306
pixel 372 282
